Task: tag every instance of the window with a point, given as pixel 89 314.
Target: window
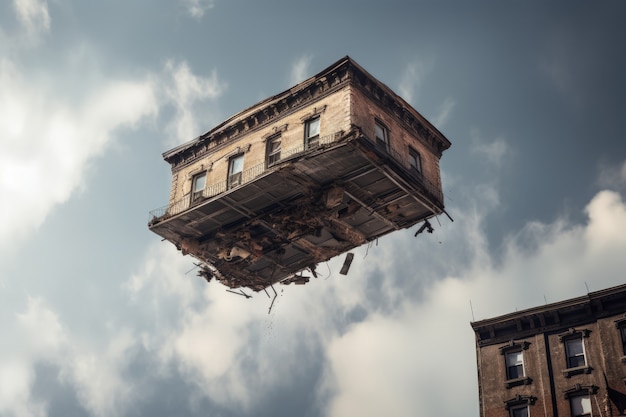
pixel 273 151
pixel 197 187
pixel 513 353
pixel 580 405
pixel 521 411
pixel 576 362
pixel 514 365
pixel 621 328
pixel 235 168
pixel 575 352
pixel 382 136
pixel 579 397
pixel 415 160
pixel 312 132
pixel 519 405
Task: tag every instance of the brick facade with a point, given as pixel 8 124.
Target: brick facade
pixel 572 354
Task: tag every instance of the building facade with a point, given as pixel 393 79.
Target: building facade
pixel 330 164
pixel 563 359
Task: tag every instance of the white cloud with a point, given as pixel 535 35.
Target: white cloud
pixel 189 94
pixel 197 8
pixel 33 15
pixel 36 335
pixel 300 69
pixel 412 78
pixel 96 372
pixel 427 346
pixel 495 151
pixel 47 142
pixel 444 113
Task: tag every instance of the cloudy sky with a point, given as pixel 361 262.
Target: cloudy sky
pixel 100 318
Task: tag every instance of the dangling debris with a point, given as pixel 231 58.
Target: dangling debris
pixel 346 264
pixel 240 292
pixel 426 226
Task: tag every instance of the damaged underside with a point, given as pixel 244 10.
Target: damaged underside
pixel 302 211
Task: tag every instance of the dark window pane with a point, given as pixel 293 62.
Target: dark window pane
pixel 519 412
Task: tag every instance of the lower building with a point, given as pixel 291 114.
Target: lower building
pixel 562 359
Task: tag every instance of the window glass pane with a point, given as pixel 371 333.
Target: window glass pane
pixel 313 127
pixel 414 160
pixel 575 353
pixel 236 164
pixel 514 358
pixel 574 347
pixel 580 405
pixel 274 146
pixel 199 182
pixel 519 412
pixel 380 133
pixel 514 365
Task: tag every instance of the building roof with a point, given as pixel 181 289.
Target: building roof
pixel 551 317
pixel 335 76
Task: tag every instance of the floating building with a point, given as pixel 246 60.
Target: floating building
pixel 334 162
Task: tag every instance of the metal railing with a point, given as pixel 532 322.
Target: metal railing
pixel 247 176
pixel 403 161
pixel 251 173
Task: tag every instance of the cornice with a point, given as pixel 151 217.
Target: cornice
pixel 259 116
pixel 554 317
pixel 406 115
pixel 333 78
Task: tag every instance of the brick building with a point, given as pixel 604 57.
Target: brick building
pixel 561 359
pixel 325 166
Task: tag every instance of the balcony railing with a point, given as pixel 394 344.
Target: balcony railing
pixel 252 173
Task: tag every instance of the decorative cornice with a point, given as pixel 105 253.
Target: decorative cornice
pixel 519 400
pixel 554 317
pixel 514 346
pixel 261 115
pixel 578 389
pixel 572 333
pixel 338 75
pixel 620 322
pixel 408 117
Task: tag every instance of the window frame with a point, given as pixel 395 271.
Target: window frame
pixel 514 347
pixel 519 402
pixel 415 160
pixel 574 335
pixel 235 178
pixel 311 141
pixel 273 156
pixel 198 194
pixel 577 392
pixel 381 142
pixel 573 358
pixel 581 397
pixel 620 325
pixel 518 375
pixel 513 410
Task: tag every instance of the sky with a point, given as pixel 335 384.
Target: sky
pixel 99 317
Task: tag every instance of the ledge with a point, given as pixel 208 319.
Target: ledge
pixel 518 381
pixel 568 373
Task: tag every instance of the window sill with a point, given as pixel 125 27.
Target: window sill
pixel 577 371
pixel 518 381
